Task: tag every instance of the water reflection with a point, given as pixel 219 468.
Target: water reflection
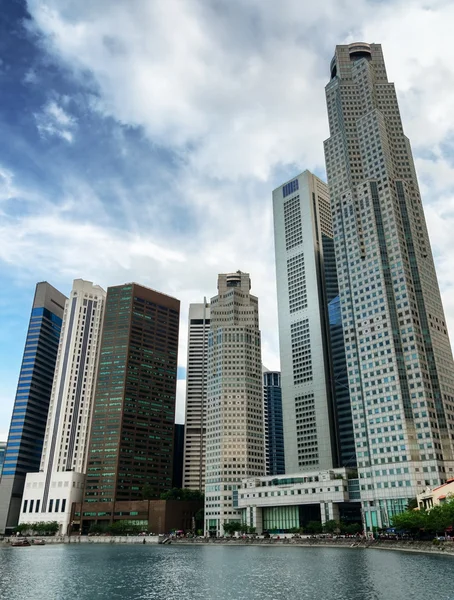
pixel 218 572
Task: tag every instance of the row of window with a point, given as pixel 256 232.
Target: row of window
pixel 54 506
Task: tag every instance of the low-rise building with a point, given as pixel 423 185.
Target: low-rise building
pixel 431 497
pixel 156 516
pixel 288 502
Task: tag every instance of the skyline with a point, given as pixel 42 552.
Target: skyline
pixel 88 142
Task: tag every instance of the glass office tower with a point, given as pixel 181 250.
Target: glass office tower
pixel 399 359
pixel 344 424
pixel 2 455
pixel 132 431
pixel 28 423
pixel 273 428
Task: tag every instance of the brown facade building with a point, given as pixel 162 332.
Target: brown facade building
pixel 132 431
pixel 155 516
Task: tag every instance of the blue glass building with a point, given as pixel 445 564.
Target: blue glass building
pixel 338 365
pixel 2 455
pixel 347 453
pixel 31 405
pixel 274 432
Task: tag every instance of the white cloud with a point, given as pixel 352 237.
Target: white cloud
pixel 416 39
pixel 7 190
pixel 59 243
pixel 243 86
pixel 54 121
pixel 6 406
pixel 31 77
pixel 236 91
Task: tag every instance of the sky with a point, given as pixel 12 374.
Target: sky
pixel 140 140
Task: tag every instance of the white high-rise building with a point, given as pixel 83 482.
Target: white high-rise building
pixel 48 495
pixel 196 379
pixel 400 366
pixel 234 418
pixel 302 230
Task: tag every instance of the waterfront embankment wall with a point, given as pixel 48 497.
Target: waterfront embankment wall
pixel 101 539
pixel 403 545
pixel 427 547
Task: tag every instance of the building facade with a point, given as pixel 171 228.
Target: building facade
pixel 178 450
pixel 344 421
pixel 433 497
pixel 400 367
pixel 153 516
pixel 48 494
pixel 305 286
pixel 31 405
pixel 196 382
pixel 290 502
pixel 234 417
pixel 272 423
pixel 2 456
pixel 132 432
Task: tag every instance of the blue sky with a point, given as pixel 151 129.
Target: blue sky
pixel 141 140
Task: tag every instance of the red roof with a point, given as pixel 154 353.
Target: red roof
pixel 443 484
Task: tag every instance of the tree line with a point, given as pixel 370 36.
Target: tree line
pixel 118 528
pixel 434 521
pixel 40 528
pixel 148 493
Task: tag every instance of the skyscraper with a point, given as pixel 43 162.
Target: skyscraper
pixel 2 455
pixel 306 282
pixel 48 494
pixel 344 423
pixel 28 423
pixel 178 451
pixel 272 422
pixel 132 431
pixel 400 367
pixel 234 417
pixel 196 379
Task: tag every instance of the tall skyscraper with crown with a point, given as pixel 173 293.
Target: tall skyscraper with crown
pixel 400 366
pixel 234 411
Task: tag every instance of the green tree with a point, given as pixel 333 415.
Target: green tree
pixel 439 518
pixel 231 528
pixel 23 527
pixel 147 492
pixel 411 520
pixel 351 528
pixel 331 526
pixel 314 527
pixel 182 494
pixel 52 527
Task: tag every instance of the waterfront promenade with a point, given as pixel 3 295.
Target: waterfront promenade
pixel 428 547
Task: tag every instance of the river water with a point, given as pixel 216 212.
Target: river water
pixel 110 572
